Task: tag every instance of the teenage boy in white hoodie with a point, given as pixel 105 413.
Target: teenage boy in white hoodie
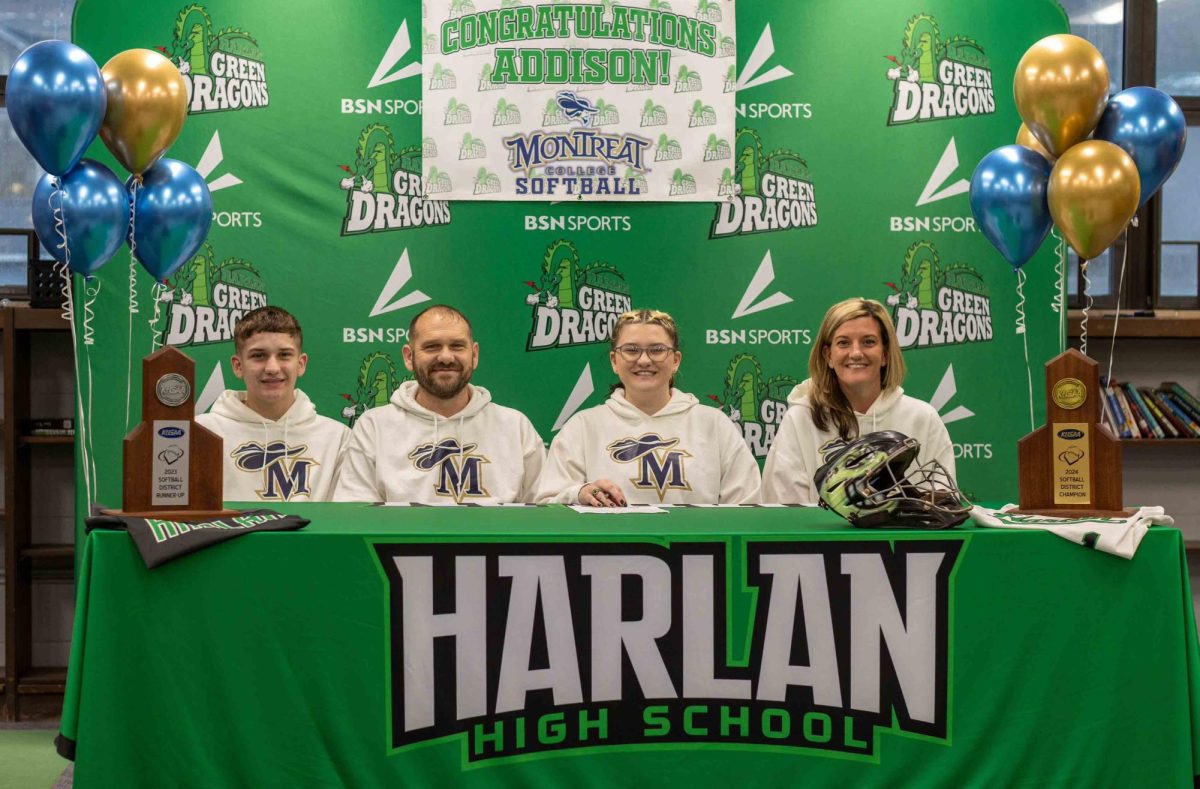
pixel 441 439
pixel 277 448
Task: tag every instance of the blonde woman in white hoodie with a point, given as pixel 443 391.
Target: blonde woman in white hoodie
pixel 855 371
pixel 277 448
pixel 649 443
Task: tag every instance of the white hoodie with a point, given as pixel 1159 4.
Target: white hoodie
pixel 293 458
pixel 799 449
pixel 484 454
pixel 684 454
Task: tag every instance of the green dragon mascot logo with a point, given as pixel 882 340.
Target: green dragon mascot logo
pixel 223 69
pixel 754 402
pixel 574 304
pixel 765 192
pixel 384 187
pixel 936 79
pixel 205 299
pixel 377 381
pixel 939 305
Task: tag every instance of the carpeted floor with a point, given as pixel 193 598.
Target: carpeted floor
pixel 28 760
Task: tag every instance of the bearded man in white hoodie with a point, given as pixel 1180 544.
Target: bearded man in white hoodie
pixel 277 448
pixel 441 439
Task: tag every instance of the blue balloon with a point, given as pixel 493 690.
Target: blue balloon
pixel 1150 127
pixel 172 215
pixel 1008 198
pixel 56 101
pixel 94 216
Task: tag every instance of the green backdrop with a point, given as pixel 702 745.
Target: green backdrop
pixel 288 97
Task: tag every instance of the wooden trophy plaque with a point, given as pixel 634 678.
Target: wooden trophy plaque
pixel 1071 467
pixel 172 465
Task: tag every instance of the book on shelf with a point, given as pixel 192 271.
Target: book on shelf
pixel 1183 402
pixel 45 431
pixel 1106 412
pixel 1141 429
pixel 1131 427
pixel 1184 416
pixel 1119 426
pixel 1148 423
pixel 1115 422
pixel 1168 427
pixel 1169 413
pixel 1183 394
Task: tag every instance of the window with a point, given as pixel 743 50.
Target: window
pixel 1149 42
pixel 21 23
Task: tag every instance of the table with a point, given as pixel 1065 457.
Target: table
pixel 701 647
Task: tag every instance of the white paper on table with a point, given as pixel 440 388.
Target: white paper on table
pixel 645 509
pixel 455 504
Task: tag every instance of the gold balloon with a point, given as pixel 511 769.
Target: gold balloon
pixel 1093 193
pixel 147 104
pixel 1061 87
pixel 1026 139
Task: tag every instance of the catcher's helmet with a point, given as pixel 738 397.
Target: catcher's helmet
pixel 868 482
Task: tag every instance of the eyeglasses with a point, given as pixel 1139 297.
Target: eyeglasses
pixel 631 353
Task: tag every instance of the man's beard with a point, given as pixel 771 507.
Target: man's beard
pixel 426 380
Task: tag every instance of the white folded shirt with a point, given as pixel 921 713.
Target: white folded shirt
pixel 1118 536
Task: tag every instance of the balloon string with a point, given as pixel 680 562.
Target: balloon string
pixel 1087 307
pixel 68 313
pixel 1025 341
pixel 156 295
pixel 133 300
pixel 60 226
pixel 1112 351
pixel 90 296
pixel 82 432
pixel 1059 303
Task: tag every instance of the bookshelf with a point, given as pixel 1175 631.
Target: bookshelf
pixel 27 690
pixel 1164 324
pixel 1150 350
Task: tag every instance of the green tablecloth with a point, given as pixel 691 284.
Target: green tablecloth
pixel 279 659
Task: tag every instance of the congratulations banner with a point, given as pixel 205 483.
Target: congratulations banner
pixel 582 101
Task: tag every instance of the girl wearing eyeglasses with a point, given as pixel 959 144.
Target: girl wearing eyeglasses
pixel 855 370
pixel 649 443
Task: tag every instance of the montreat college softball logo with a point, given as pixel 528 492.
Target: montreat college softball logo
pixel 559 646
pixel 936 79
pixel 754 402
pixel 939 305
pixel 384 190
pixel 285 471
pixel 576 162
pixel 223 69
pixel 659 464
pixel 764 192
pixel 574 304
pixel 458 471
pixel 205 299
